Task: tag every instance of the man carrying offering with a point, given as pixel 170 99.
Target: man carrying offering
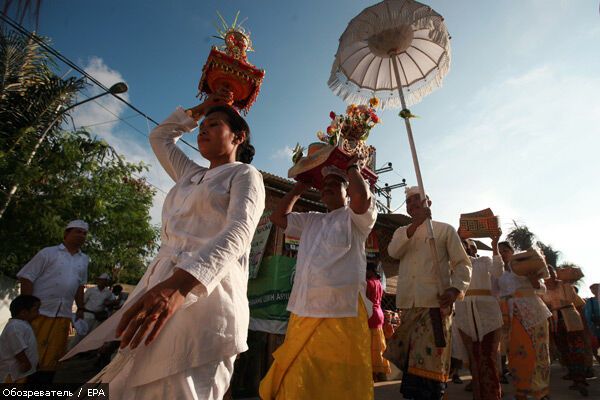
pixel 424 291
pixel 327 349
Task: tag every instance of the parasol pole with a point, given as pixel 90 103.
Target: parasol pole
pixel 415 158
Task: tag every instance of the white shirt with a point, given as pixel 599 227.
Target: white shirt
pixel 94 298
pixel 16 337
pixel 417 282
pixel 478 315
pixel 531 308
pixel 330 271
pixel 56 275
pixel 208 221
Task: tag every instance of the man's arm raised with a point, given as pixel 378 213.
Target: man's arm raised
pixel 286 204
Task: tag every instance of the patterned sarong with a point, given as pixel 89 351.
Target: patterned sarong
pixel 414 347
pixel 571 346
pixel 483 357
pixel 51 335
pixel 380 364
pixel 528 358
pixel 322 358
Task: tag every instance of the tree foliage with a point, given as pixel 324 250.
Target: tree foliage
pixel 71 176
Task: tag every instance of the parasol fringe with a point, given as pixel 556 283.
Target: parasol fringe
pixel 352 93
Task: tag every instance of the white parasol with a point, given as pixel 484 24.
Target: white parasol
pixel 398 51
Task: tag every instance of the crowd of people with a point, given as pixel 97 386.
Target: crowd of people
pixel 37 335
pixel 187 320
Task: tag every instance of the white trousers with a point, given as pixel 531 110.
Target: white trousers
pixel 206 382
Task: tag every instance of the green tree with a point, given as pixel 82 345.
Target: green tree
pixel 71 176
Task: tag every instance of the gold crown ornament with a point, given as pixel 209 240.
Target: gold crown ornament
pixel 228 66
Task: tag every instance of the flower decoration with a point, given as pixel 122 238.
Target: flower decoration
pixel 355 125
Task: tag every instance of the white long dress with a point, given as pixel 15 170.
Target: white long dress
pixel 208 220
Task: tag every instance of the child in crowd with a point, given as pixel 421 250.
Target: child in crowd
pixel 18 346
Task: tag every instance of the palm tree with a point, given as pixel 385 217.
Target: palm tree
pixel 520 237
pixel 31 97
pixel 550 253
pixel 23 8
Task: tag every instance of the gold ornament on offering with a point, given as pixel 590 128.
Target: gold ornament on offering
pixel 228 66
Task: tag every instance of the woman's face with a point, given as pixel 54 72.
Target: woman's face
pixel 505 252
pixel 216 139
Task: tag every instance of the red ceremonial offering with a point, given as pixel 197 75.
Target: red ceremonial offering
pixel 228 67
pixel 343 139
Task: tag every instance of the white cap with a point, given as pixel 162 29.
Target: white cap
pixel 333 170
pixel 412 190
pixel 78 224
pixel 104 275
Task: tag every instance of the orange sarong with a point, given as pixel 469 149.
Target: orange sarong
pixel 322 358
pixel 528 358
pixel 51 335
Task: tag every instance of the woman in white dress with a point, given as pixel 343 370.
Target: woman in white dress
pixel 187 320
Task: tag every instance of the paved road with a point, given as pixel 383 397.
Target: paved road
pixel 559 389
pixel 80 369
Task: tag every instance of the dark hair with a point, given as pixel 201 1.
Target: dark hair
pixel 507 245
pixel 373 268
pixel 119 288
pixel 22 302
pixel 245 151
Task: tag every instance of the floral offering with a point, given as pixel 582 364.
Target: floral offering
pixel 355 125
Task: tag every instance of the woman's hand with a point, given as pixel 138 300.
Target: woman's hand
pixel 534 279
pixel 495 240
pixel 150 312
pixel 222 96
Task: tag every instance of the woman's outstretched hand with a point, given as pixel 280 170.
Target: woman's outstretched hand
pixel 223 96
pixel 149 314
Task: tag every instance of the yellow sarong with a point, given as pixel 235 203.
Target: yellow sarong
pixel 51 335
pixel 378 345
pixel 322 358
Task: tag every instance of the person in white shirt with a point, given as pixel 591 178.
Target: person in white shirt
pixel 327 349
pixel 528 344
pixel 425 296
pixel 187 319
pixel 95 302
pixel 18 347
pixel 56 275
pixel 479 322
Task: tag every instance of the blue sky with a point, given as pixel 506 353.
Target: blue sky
pixel 515 126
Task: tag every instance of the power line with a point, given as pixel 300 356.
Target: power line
pixel 109 121
pixel 19 28
pixel 75 67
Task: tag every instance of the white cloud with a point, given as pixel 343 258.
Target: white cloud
pixel 527 148
pixel 284 153
pixel 100 117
